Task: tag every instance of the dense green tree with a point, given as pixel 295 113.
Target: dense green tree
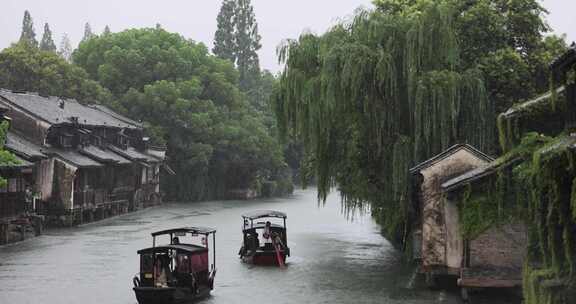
pixel 47 43
pixel 247 44
pixel 224 39
pixel 30 69
pixel 106 30
pixel 28 35
pixel 191 101
pixel 372 97
pixel 65 50
pixel 504 38
pixel 88 34
pixel 237 39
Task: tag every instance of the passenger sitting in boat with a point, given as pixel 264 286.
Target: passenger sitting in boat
pixel 175 240
pixel 162 271
pixel 267 233
pixel 256 244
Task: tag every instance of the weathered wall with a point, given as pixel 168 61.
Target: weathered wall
pixel 45 178
pixel 441 238
pixel 64 183
pixel 24 124
pixel 454 242
pixel 503 246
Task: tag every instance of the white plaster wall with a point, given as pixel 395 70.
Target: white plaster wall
pixel 441 239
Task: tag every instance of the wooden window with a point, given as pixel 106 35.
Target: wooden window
pixel 66 141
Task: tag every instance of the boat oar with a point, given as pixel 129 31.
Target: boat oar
pixel 278 255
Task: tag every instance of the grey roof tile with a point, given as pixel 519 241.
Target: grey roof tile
pixel 104 155
pixel 447 153
pixel 134 154
pixel 24 148
pixel 75 158
pixel 49 110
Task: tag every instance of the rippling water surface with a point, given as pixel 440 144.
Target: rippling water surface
pixel 334 260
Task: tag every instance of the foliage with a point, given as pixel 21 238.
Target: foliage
pixel 248 43
pixel 65 50
pixel 216 140
pixel 28 36
pixel 504 39
pixel 501 199
pixel 6 158
pixel 224 40
pixel 237 40
pixel 88 34
pixel 30 69
pixel 535 184
pixel 47 43
pixel 374 96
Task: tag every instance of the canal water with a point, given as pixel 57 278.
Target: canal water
pixel 334 259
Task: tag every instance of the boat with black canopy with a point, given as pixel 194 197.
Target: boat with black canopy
pixel 180 271
pixel 264 238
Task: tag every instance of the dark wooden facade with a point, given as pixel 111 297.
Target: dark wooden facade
pixel 88 162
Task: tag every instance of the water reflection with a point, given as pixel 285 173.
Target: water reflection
pixel 333 260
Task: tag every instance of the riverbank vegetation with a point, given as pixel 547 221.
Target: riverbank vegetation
pixel 391 88
pixel 6 158
pixel 209 112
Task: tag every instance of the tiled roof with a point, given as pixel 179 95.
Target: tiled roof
pixel 23 147
pixel 522 107
pixel 50 110
pixel 116 115
pixel 569 57
pixel 470 176
pixel 447 153
pixel 104 156
pixel 75 158
pixel 135 155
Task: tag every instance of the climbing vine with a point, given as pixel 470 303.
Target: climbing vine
pixel 534 183
pixel 6 158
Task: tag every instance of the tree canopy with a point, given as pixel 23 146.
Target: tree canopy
pixel 47 43
pixel 237 39
pixel 31 69
pixel 372 97
pixel 504 39
pixel 191 101
pixel 28 35
pixel 224 39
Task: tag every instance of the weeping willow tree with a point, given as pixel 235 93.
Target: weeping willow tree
pixel 372 97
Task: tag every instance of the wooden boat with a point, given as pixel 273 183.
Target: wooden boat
pixel 264 242
pixel 177 272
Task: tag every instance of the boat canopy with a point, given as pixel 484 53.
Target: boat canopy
pixel 264 213
pixel 193 249
pixel 262 226
pixel 194 230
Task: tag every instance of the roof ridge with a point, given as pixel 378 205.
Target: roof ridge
pixel 442 155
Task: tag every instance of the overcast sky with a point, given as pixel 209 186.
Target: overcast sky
pixel 196 19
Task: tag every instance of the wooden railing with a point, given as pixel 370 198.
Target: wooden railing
pixel 12 204
pixel 90 197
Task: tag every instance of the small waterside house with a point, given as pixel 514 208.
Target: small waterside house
pixel 88 162
pixel 493 252
pixel 438 243
pixel 15 225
